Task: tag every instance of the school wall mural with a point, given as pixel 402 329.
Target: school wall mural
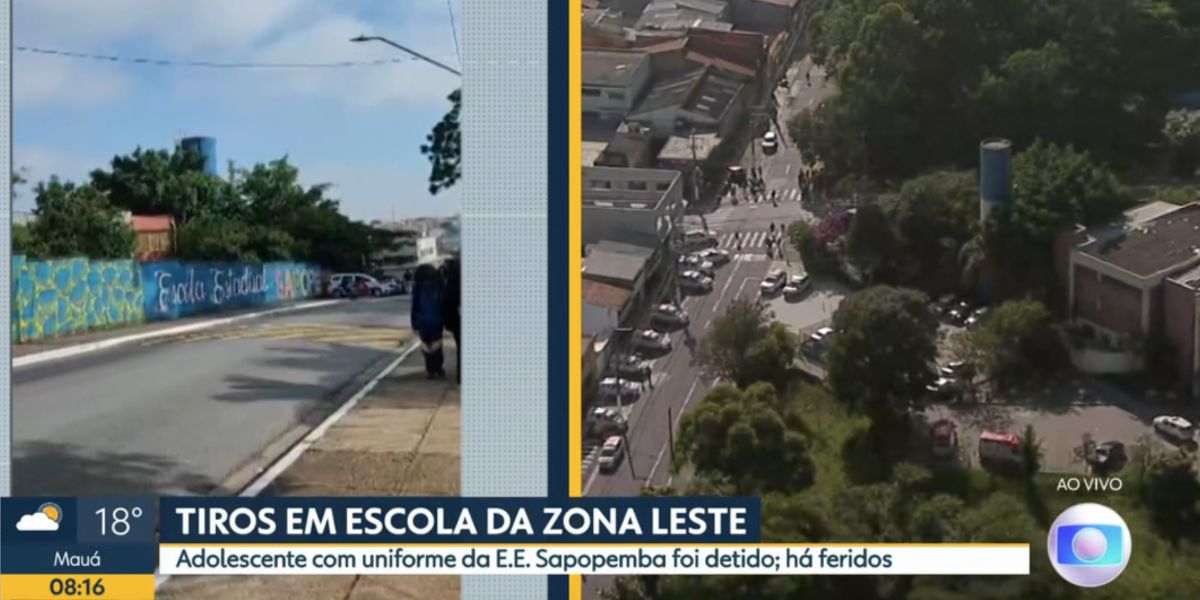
pixel 59 297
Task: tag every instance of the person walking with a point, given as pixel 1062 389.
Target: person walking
pixel 428 292
pixel 452 309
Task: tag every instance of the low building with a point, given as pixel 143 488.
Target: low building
pixel 154 236
pixel 1181 308
pixel 767 16
pixel 1129 282
pixel 638 206
pixel 404 251
pixel 664 15
pixel 613 82
pixel 621 282
pixel 703 101
pixel 631 145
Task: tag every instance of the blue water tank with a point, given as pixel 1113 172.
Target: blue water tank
pixel 995 174
pixel 206 147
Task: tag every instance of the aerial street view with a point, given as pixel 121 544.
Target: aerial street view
pixel 913 271
pixel 236 258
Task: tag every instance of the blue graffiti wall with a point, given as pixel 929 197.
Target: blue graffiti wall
pixel 59 297
pixel 71 295
pixel 175 289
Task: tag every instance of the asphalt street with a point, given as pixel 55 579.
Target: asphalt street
pixel 180 415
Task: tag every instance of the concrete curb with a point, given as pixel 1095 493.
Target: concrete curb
pixel 281 465
pixel 60 353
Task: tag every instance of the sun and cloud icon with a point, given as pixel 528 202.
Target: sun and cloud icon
pixel 47 518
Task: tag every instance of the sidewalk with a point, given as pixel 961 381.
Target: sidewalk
pixel 147 328
pixel 402 439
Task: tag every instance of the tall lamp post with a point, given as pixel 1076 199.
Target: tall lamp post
pixel 413 53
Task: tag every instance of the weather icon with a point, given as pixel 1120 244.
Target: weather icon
pixel 47 518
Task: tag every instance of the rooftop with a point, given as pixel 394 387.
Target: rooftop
pixel 1151 246
pixel 626 188
pixel 685 14
pixel 615 261
pixel 611 67
pixel 150 223
pixel 604 295
pixel 699 146
pixel 703 91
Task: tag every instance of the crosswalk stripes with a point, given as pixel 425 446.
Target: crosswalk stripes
pixel 384 338
pixel 747 239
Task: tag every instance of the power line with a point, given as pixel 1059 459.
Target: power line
pixel 454 32
pixel 162 62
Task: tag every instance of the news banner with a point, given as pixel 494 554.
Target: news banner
pixel 120 547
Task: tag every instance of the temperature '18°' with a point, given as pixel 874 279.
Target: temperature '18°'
pixel 116 521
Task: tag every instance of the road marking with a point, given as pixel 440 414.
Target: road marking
pixel 662 451
pixel 788 171
pixel 32 359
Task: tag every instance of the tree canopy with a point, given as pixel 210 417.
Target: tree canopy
pixel 261 213
pixel 884 344
pixel 920 82
pixel 443 148
pixel 744 346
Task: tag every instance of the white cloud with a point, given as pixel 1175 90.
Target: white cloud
pixel 374 191
pixel 212 25
pixel 305 31
pixel 412 82
pixel 36 522
pixel 48 81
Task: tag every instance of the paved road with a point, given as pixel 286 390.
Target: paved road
pixel 179 416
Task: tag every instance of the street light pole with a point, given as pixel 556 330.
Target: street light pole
pixel 414 53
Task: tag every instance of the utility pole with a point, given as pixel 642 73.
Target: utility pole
pixel 696 178
pixel 629 456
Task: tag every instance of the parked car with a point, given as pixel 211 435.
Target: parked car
pixel 773 282
pixel 653 341
pixel 361 284
pixel 631 367
pixel 814 346
pixel 716 256
pixel 797 285
pixel 952 368
pixel 611 454
pixel 1176 428
pixel 821 336
pixel 619 391
pixel 976 317
pixel 692 262
pixel 393 286
pixel 769 143
pixel 1109 456
pixel 606 421
pixel 695 282
pixel 944 437
pixel 999 446
pixel 699 239
pixel 943 387
pixel 671 315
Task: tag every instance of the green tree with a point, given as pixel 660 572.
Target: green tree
pixel 1017 340
pixel 934 216
pixel 1172 493
pixel 443 148
pixel 872 246
pixel 79 221
pixel 883 344
pixel 752 437
pixel 1182 130
pixel 145 182
pixel 745 347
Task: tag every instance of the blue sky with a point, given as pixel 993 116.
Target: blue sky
pixel 359 128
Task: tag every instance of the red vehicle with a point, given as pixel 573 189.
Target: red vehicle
pixel 944 435
pixel 999 446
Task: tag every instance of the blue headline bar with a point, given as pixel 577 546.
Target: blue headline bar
pixel 459 520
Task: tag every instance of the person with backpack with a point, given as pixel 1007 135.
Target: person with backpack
pixel 452 309
pixel 427 296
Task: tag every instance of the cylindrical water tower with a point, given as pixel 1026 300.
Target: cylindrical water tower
pixel 995 175
pixel 205 147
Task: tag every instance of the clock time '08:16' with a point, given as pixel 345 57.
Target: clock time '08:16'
pixel 77 587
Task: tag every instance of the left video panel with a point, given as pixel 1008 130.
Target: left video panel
pixel 236 254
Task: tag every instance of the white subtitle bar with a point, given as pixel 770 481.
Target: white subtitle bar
pixel 333 559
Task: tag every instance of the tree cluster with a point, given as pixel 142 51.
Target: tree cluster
pixel 920 82
pixel 258 214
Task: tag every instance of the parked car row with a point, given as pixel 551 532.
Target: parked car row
pixel 960 312
pixel 353 285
